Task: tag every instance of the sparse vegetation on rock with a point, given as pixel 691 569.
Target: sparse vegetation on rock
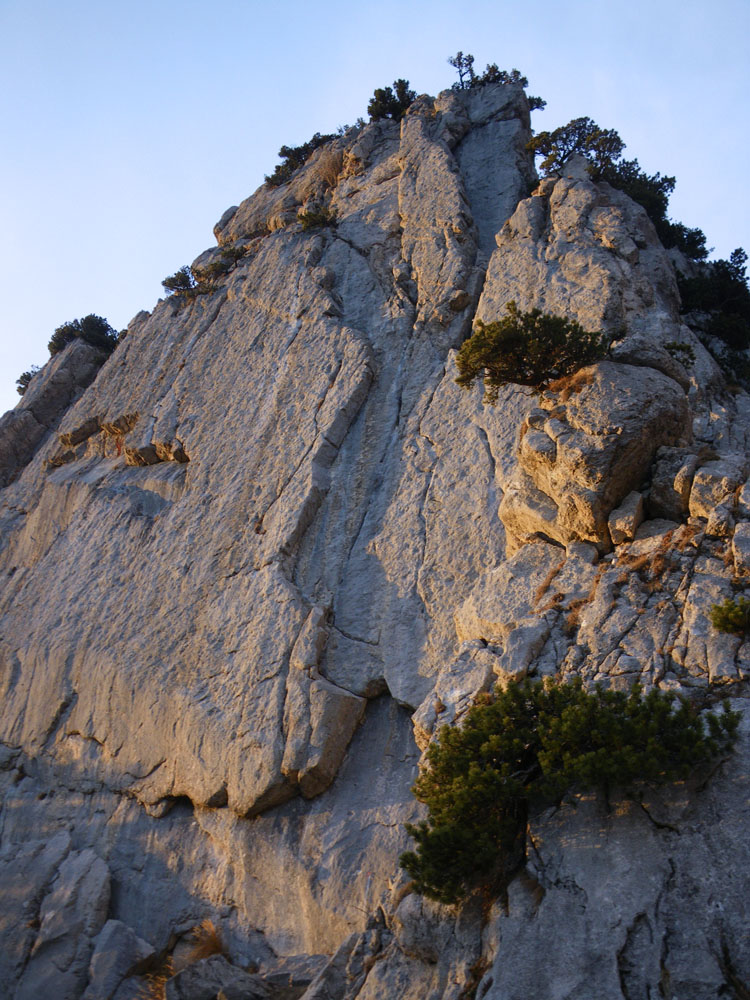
pixel 603 150
pixel 731 616
pixel 528 747
pixel 95 330
pixel 393 102
pixel 189 282
pixel 182 282
pixel 720 290
pixel 22 382
pixel 467 78
pixel 314 220
pixel 294 156
pixel 532 348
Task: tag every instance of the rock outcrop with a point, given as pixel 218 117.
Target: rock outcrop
pixel 272 547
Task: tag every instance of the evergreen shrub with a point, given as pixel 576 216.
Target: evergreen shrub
pixel 603 150
pixel 314 220
pixel 294 157
pixel 391 103
pixel 22 382
pixel 720 291
pixel 731 616
pixel 526 348
pixel 95 330
pixel 527 748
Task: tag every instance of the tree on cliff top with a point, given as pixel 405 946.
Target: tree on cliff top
pixel 95 330
pixel 391 103
pixel 603 150
pixel 467 78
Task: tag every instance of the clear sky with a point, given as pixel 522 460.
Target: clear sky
pixel 128 128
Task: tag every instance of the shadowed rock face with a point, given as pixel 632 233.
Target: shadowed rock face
pixel 273 528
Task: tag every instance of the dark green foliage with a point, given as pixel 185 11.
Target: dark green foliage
pixel 580 136
pixel 467 78
pixel 720 290
pixel 494 75
pixel 683 353
pixel 294 157
pixel 650 191
pixel 314 220
pixel 527 349
pixel 187 283
pixel 530 746
pixel 391 103
pixel 603 149
pixel 464 66
pixel 182 282
pixel 536 103
pixel 22 382
pixel 732 616
pixel 95 330
pixel 691 242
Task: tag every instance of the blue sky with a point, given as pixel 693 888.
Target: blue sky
pixel 128 128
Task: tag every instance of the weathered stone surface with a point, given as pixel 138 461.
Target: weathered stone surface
pixel 714 483
pixel 26 870
pixel 671 480
pixel 71 915
pixel 213 978
pixel 261 554
pixel 596 446
pixel 49 394
pixel 624 521
pixel 118 953
pixel 741 547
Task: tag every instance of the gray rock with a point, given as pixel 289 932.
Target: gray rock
pixel 671 480
pixel 741 547
pixel 71 915
pixel 261 553
pixel 49 394
pixel 714 483
pixel 606 433
pixel 625 520
pixel 118 953
pixel 215 978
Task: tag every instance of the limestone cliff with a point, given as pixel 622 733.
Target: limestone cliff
pixel 251 567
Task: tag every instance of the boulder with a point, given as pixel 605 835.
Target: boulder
pixel 215 978
pixel 595 448
pixel 118 953
pixel 624 521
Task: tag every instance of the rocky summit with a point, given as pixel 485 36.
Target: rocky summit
pixel 254 560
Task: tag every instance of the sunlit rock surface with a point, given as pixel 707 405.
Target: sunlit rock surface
pixel 251 568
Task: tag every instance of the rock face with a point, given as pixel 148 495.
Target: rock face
pixel 272 548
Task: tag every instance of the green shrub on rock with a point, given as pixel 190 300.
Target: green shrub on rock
pixel 732 616
pixel 182 282
pixel 95 330
pixel 531 348
pixel 531 745
pixel 391 103
pixel 22 382
pixel 603 150
pixel 294 157
pixel 315 220
pixel 719 290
